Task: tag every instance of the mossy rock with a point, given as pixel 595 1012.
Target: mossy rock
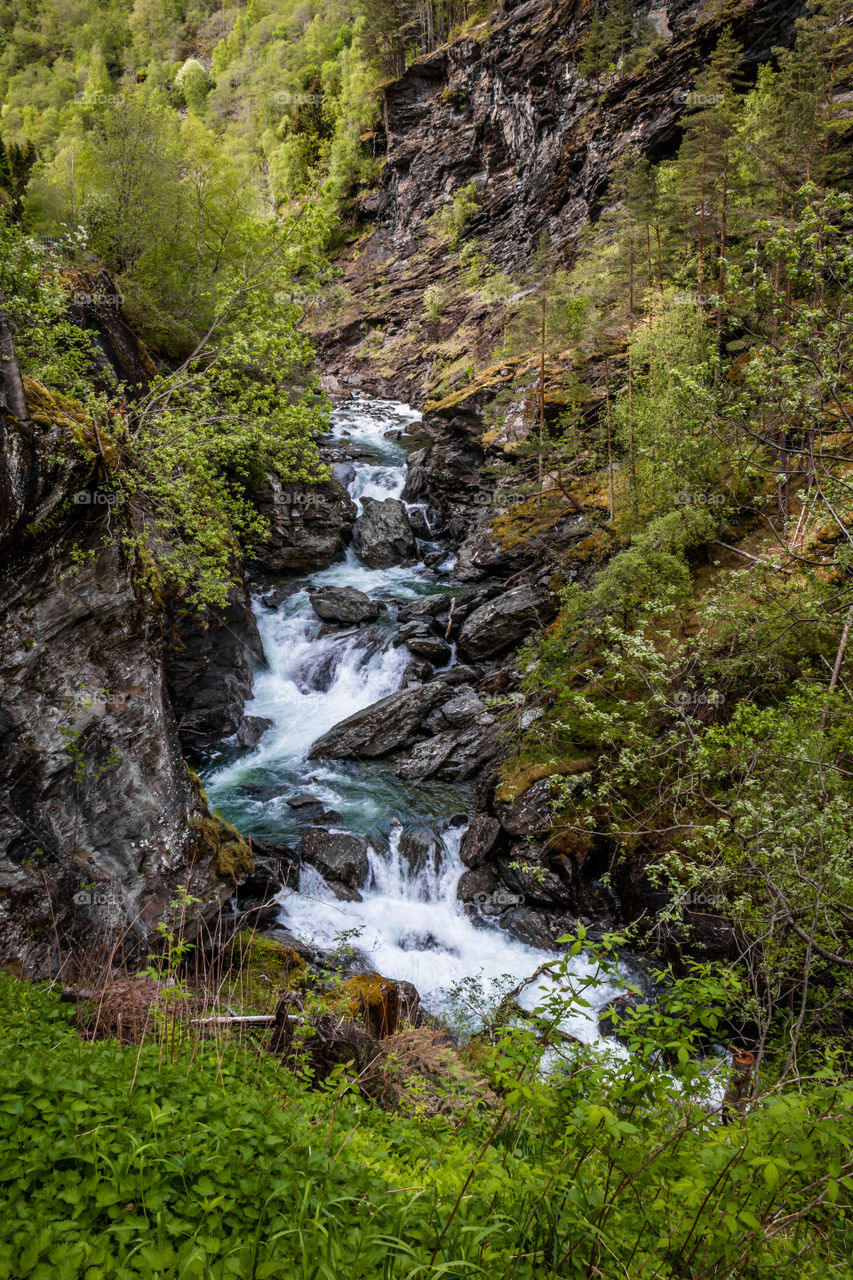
pixel 214 838
pixel 372 999
pixel 256 970
pixel 520 773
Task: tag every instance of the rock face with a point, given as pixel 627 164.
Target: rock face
pixel 383 536
pixel 497 625
pixel 336 856
pixel 505 108
pixel 101 818
pixel 309 525
pixel 210 661
pixel 385 726
pixel 343 604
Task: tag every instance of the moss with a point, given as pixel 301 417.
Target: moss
pixel 529 519
pixel 215 839
pixel 594 547
pixel 373 999
pixel 257 970
pixel 520 773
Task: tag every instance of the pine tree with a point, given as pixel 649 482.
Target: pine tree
pixel 705 163
pixel 593 58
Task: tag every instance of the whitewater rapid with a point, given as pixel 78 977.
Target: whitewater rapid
pixel 409 925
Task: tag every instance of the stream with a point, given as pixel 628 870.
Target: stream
pixel 409 925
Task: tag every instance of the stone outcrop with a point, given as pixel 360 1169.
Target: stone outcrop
pixel 336 856
pixel 309 525
pixel 383 727
pixel 499 624
pixel 383 536
pixel 344 604
pixel 101 819
pixel 505 109
pixel 210 662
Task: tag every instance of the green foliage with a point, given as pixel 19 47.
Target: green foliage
pixel 119 1161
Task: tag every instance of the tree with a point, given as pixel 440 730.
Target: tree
pixel 16 165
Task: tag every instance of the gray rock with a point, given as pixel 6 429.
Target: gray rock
pixel 532 877
pixel 530 814
pixel 385 726
pixel 497 625
pixel 479 840
pixel 538 928
pixel 336 855
pixel 432 606
pixel 343 604
pixel 433 648
pixel 418 524
pixel 476 884
pixel 420 849
pixel 303 800
pixel 451 756
pixel 251 729
pixel 210 659
pixel 417 672
pixel 427 758
pixel 383 536
pixel 309 525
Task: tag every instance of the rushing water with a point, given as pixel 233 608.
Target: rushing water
pixel 409 926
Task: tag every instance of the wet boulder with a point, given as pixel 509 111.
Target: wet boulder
pixel 343 604
pixel 251 729
pixel 383 536
pixel 385 726
pixel 420 850
pixel 336 855
pixel 479 840
pixel 497 625
pixel 431 606
pixel 309 525
pixel 430 647
pixel 530 814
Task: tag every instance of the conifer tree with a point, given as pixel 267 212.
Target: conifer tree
pixel 705 160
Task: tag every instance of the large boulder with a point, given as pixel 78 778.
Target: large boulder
pixel 309 525
pixel 420 849
pixel 385 726
pixel 343 604
pixel 336 855
pixel 464 739
pixel 210 658
pixel 498 624
pixel 383 536
pixel 479 840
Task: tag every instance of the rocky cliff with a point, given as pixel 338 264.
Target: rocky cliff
pixel 505 109
pixel 101 820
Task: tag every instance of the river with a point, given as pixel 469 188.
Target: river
pixel 409 926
